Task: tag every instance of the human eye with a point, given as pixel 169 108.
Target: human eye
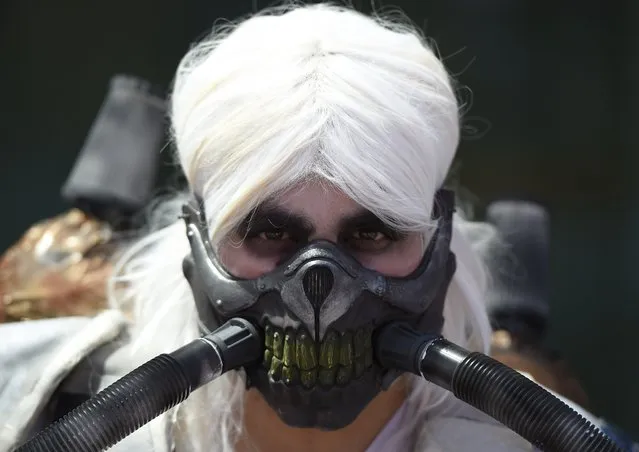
pixel 374 236
pixel 274 235
pixel 270 233
pixel 271 242
pixel 370 240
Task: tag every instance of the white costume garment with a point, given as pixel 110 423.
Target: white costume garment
pixel 41 359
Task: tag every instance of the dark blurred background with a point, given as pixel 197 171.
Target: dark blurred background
pixel 554 106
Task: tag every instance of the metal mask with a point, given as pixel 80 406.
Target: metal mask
pixel 318 311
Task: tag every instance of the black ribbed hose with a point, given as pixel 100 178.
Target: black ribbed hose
pixel 118 410
pixel 148 391
pixel 494 388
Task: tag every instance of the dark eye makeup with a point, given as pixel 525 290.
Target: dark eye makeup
pixel 274 223
pixel 274 231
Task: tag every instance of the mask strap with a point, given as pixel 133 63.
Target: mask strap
pixel 444 205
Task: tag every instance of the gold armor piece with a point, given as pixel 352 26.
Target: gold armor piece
pixel 58 268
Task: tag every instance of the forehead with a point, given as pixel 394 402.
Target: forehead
pixel 319 202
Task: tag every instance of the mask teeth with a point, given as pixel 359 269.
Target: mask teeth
pixel 291 356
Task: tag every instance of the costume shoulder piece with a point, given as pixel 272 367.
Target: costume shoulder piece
pixel 58 268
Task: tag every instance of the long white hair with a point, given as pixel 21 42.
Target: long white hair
pixel 290 94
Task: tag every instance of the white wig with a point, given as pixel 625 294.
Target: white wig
pixel 288 95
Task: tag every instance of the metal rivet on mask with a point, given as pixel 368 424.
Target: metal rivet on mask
pixel 379 286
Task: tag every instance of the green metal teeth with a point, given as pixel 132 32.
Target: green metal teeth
pixel 329 350
pixel 294 357
pixel 306 353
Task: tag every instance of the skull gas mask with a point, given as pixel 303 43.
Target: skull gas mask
pixel 319 310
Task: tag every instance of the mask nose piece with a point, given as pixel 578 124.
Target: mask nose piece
pixel 318 283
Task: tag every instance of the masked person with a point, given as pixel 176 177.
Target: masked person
pixel 316 142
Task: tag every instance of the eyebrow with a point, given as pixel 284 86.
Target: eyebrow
pixel 268 216
pixel 274 217
pixel 363 219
